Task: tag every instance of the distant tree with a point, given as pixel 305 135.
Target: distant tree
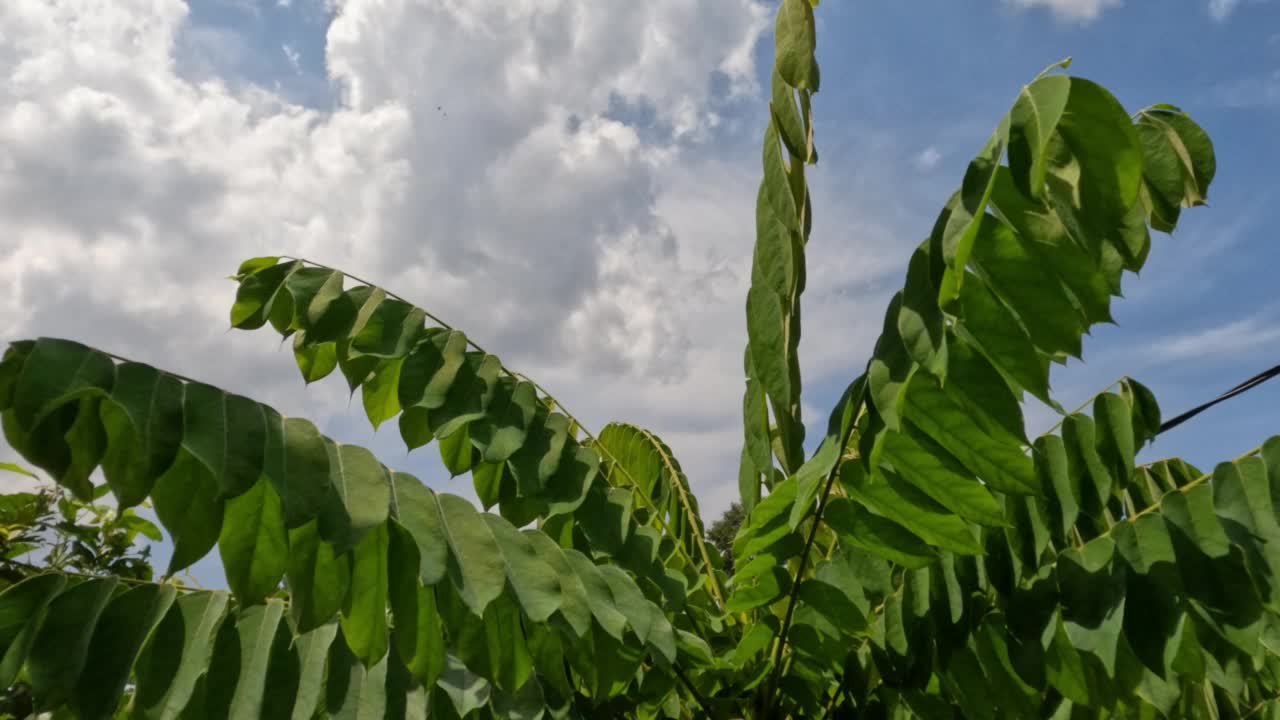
pixel 722 532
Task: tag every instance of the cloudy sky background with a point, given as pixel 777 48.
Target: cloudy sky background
pixel 573 184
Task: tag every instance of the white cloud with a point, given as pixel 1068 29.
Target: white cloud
pixel 293 56
pixel 1232 338
pixel 927 159
pixel 580 244
pixel 1220 9
pixel 1071 10
pixel 1258 90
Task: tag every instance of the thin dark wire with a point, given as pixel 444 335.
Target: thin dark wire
pixel 1243 387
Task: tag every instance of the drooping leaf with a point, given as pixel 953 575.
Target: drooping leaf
pixel 318 578
pixel 177 655
pixel 125 624
pixel 143 422
pixel 189 504
pixel 60 649
pixel 22 609
pixel 253 543
pixel 364 615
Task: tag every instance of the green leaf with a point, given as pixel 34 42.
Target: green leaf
pixel 391 330
pixel 417 629
pixel 284 675
pixel 258 291
pixel 769 522
pixel 1058 483
pixel 380 392
pixel 55 372
pixel 177 655
pixel 645 618
pixel 256 629
pixel 10 467
pixel 573 604
pixel 890 369
pixel 418 512
pixel 1044 235
pixel 431 369
pixel 313 651
pixel 757 458
pixel 364 615
pixel 1099 164
pixel 875 534
pixel 791 124
pixel 961 225
pixel 188 502
pixel 920 322
pixel 357 369
pixel 575 476
pixel 315 362
pixel 988 324
pixel 352 691
pixel 346 314
pixel 312 289
pixel 317 576
pixel 61 647
pixel 469 395
pixel 143 422
pixel 795 38
pixel 254 544
pixel 994 456
pixel 539 457
pixel 362 499
pixel 297 464
pixel 253 265
pixel 766 583
pixel 22 609
pixel 1116 442
pixel 888 496
pixel 925 464
pixel 507 418
pixel 1083 461
pixel 455 451
pixel 766 328
pixel 1064 668
pixel 1029 287
pixel 1092 588
pixel 477 568
pixel 1032 122
pixel 87 442
pixel 536 584
pixel 123 627
pixel 466 691
pixel 599 597
pixel 1243 503
pixel 227 434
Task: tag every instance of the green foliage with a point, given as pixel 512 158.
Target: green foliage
pixel 722 532
pixel 927 560
pixel 48 529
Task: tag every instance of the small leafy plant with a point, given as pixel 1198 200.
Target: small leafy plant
pixel 927 560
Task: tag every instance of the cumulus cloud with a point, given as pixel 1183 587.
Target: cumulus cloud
pixel 1071 10
pixel 508 164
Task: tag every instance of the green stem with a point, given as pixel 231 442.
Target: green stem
pixel 1082 406
pixel 697 695
pixel 780 643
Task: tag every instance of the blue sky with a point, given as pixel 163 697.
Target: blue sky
pixel 573 184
